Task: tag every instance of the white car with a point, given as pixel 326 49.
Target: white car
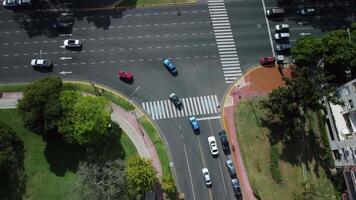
pixel 213 146
pixel 206 176
pixel 41 63
pixel 24 2
pixel 281 36
pixel 72 43
pixel 9 3
pixel 282 27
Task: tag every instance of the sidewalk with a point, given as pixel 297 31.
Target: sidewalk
pixel 257 82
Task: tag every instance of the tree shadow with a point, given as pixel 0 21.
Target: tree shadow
pixel 330 15
pixel 39 19
pixel 304 146
pixel 62 156
pixel 107 148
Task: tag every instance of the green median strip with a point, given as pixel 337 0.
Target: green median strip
pixel 13 87
pixel 157 141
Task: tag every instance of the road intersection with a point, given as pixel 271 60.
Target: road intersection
pixel 211 43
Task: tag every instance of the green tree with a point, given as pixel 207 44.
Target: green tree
pixel 169 186
pixel 141 176
pixel 338 53
pixel 39 108
pixel 101 181
pixel 301 94
pixel 85 118
pixel 307 51
pixel 12 176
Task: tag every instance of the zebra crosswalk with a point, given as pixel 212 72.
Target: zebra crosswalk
pixel 225 41
pixel 192 106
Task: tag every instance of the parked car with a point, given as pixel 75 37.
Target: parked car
pixel 170 67
pixel 206 176
pixel 213 146
pixel 9 3
pixel 72 43
pixel 281 36
pixel 231 168
pixel 283 47
pixel 236 186
pixel 175 100
pixel 224 140
pixel 41 64
pixel 282 28
pixel 267 60
pixel 24 2
pixel 62 25
pixel 194 123
pixel 126 76
pixel 275 12
pixel 307 11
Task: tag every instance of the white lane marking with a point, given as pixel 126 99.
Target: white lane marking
pixel 174 109
pixel 190 173
pixel 208 118
pixel 192 105
pixel 185 107
pixel 202 105
pixel 268 28
pixel 152 111
pixel 214 106
pixel 188 105
pixel 166 108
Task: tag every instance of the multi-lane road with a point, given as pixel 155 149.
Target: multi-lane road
pixel 211 44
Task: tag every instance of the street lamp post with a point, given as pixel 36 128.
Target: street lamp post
pixel 348 33
pixel 134 110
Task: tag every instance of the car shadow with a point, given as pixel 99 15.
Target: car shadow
pixel 43 70
pixel 130 82
pixel 77 49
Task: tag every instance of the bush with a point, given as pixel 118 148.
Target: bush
pixel 274 164
pixel 328 157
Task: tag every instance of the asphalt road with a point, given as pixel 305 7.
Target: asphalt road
pixel 135 40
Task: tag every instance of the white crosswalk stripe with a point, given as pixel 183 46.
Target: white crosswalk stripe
pixel 225 43
pixel 192 106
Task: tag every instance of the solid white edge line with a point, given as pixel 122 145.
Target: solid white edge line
pixel 208 118
pixel 269 29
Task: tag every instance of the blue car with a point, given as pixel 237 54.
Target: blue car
pixel 170 67
pixel 194 123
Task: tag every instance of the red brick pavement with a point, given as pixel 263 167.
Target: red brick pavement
pixel 257 82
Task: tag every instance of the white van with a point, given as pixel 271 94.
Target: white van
pixel 281 36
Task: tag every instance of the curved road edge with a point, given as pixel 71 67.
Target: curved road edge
pixel 258 81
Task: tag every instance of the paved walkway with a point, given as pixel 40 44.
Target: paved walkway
pixel 257 82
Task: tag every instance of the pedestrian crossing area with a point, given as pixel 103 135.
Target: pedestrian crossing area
pixel 192 106
pixel 225 41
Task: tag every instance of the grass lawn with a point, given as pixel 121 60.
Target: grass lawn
pixel 50 171
pixel 254 139
pixel 157 141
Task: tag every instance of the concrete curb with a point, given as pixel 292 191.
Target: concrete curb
pixel 229 102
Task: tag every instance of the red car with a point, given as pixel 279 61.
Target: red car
pixel 125 75
pixel 267 60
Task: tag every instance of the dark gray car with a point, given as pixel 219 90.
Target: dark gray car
pixel 236 186
pixel 231 168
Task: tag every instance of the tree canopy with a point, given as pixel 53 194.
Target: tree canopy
pixel 307 51
pixel 141 175
pixel 300 94
pixel 40 108
pixel 85 118
pixel 12 176
pixel 101 181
